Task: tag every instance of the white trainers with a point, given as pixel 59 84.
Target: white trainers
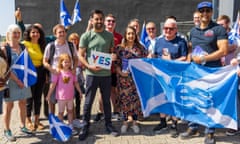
pixel 124 128
pixel 77 124
pixel 135 129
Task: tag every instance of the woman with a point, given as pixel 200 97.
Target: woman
pixel 17 90
pixel 129 100
pixel 34 41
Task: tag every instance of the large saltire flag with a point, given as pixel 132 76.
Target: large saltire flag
pixel 234 35
pixel 76 13
pixel 58 129
pixel 207 96
pixel 24 69
pixel 65 18
pixel 144 37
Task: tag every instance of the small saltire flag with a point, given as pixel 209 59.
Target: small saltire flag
pixel 58 129
pixel 64 15
pixel 234 35
pixel 24 69
pixel 144 37
pixel 76 13
pixel 207 96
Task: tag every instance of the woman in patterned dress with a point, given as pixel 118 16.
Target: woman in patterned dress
pixel 130 106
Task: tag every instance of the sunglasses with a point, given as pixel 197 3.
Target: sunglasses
pixel 205 10
pixel 169 28
pixel 151 28
pixel 113 21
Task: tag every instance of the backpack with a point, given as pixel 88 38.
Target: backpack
pixel 52 51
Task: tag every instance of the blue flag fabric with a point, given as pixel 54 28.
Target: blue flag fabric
pixel 64 15
pixel 144 37
pixel 58 129
pixel 76 13
pixel 207 96
pixel 234 35
pixel 24 69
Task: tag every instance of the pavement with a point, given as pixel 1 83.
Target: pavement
pixel 97 134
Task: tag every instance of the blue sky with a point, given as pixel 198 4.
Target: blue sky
pixel 7 9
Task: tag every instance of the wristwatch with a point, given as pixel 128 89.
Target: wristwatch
pixel 203 60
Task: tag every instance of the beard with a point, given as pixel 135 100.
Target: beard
pixel 98 26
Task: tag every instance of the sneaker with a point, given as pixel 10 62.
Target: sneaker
pixel 111 130
pixel 173 131
pixel 116 116
pixel 26 131
pixel 209 139
pixel 9 136
pixel 99 117
pixel 136 129
pixel 124 128
pixel 189 133
pixel 74 132
pixel 83 133
pixel 77 124
pixel 160 128
pixel 232 132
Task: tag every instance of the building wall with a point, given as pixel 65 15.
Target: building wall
pixel 46 12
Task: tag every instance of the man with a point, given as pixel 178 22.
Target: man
pixel 224 21
pixel 110 25
pixel 169 47
pixel 212 38
pixel 61 46
pixel 152 36
pixel 97 39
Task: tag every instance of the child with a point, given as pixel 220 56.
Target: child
pixel 64 82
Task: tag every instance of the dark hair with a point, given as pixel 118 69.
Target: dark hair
pixel 136 41
pixel 96 11
pixel 171 17
pixel 41 40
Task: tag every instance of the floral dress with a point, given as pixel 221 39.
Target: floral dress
pixel 129 100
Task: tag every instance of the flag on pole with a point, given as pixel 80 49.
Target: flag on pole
pixel 76 13
pixel 64 15
pixel 58 129
pixel 24 69
pixel 207 96
pixel 144 37
pixel 234 35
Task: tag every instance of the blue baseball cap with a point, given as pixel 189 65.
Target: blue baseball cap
pixel 205 4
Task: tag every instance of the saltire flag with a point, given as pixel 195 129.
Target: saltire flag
pixel 24 69
pixel 76 13
pixel 65 18
pixel 234 35
pixel 207 96
pixel 144 37
pixel 58 129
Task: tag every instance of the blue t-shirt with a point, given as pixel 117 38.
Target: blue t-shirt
pixel 176 47
pixel 207 39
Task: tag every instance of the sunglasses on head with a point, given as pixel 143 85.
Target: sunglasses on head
pixel 207 10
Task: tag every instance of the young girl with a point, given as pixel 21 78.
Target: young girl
pixel 64 82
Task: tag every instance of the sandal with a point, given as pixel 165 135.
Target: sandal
pixel 30 126
pixel 39 126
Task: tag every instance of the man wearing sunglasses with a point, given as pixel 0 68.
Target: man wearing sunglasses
pixel 211 38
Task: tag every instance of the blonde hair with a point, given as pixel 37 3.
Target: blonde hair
pixel 63 57
pixel 73 35
pixel 13 28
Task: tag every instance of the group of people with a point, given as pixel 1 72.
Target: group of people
pixel 60 66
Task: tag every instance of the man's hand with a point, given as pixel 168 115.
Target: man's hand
pixel 18 15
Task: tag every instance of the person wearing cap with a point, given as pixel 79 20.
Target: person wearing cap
pixel 213 40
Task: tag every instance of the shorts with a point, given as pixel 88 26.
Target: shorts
pixel 65 103
pixel 114 79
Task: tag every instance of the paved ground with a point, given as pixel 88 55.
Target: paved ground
pixel 98 135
